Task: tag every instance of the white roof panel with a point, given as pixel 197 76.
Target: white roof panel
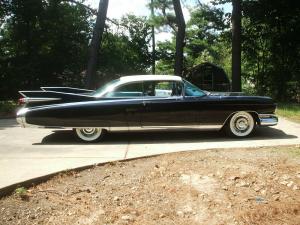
pixel 150 77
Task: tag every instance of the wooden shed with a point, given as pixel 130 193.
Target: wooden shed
pixel 209 77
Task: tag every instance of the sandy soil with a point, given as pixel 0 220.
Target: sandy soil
pixel 237 186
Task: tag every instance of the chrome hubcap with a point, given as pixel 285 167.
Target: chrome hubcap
pixel 89 134
pixel 242 124
pixel 88 131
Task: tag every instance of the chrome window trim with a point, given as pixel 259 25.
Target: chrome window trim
pixel 143 96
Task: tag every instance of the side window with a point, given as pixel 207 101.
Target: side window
pixel 162 88
pixel 192 90
pixel 127 90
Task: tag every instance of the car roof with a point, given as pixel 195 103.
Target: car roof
pixel 137 78
pixel 150 77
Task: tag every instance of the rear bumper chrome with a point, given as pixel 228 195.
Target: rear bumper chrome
pixel 21 117
pixel 267 119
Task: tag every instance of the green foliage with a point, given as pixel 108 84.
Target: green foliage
pixel 165 52
pixel 206 41
pixel 126 51
pixel 271 47
pixel 7 107
pixel 21 191
pixel 207 37
pixel 164 16
pixel 43 43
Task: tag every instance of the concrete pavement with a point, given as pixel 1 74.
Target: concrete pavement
pixel 32 152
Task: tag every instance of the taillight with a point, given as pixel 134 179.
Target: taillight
pixel 21 101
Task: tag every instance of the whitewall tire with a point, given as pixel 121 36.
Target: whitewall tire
pixel 241 124
pixel 89 134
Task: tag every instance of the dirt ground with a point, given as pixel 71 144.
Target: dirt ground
pixel 237 186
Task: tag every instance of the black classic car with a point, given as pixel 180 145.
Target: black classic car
pixel 147 102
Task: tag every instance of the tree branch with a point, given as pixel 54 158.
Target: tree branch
pixel 168 21
pixel 93 11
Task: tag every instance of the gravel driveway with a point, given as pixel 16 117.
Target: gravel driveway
pixel 29 153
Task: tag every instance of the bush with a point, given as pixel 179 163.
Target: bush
pixel 7 107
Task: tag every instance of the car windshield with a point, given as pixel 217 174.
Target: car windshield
pixel 192 90
pixel 105 87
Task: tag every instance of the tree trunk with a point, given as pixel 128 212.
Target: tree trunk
pixel 96 43
pixel 153 40
pixel 180 35
pixel 236 45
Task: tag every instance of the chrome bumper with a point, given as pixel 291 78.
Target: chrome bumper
pixel 21 117
pixel 267 119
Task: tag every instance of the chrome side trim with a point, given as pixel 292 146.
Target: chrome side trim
pixel 107 101
pixel 22 121
pixel 28 99
pixel 49 88
pixel 118 128
pixel 267 119
pixel 167 128
pixel 198 126
pixel 23 93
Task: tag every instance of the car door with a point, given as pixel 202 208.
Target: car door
pixel 128 104
pixel 209 112
pixel 165 106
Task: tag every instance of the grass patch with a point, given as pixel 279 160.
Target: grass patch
pixel 289 110
pixel 292 151
pixel 22 193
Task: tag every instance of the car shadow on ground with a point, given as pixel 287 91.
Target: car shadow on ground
pixel 67 137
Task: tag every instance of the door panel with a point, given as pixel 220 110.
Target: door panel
pixel 168 112
pixel 131 108
pixel 188 111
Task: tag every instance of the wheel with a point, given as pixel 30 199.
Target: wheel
pixel 241 124
pixel 89 134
